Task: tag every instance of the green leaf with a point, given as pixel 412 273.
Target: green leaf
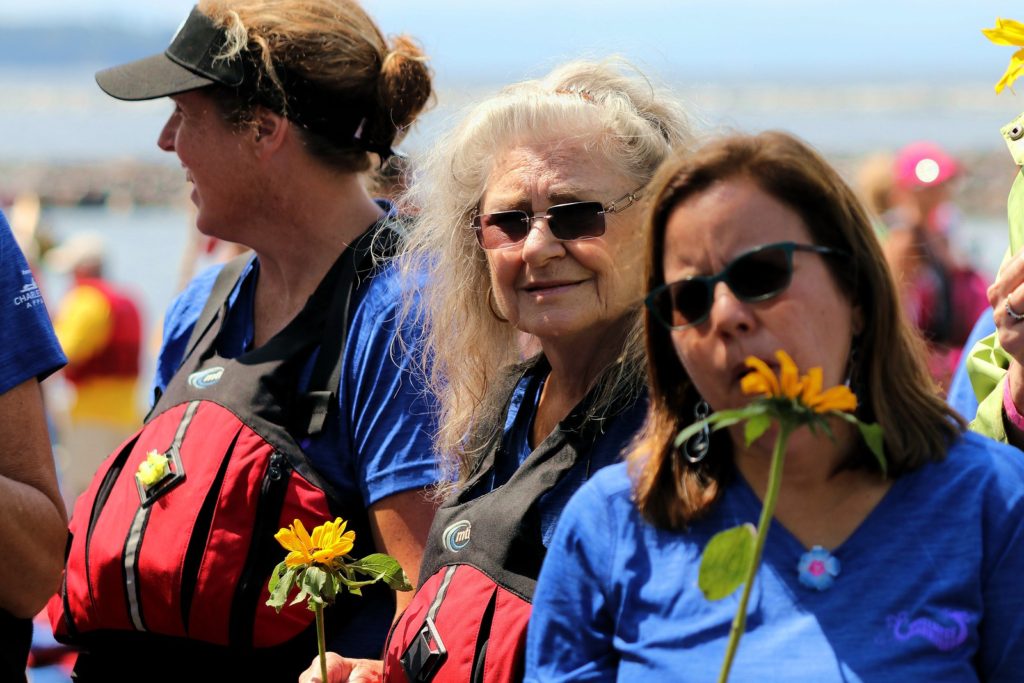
pixel 275 576
pixel 722 419
pixel 873 437
pixel 352 584
pixel 281 583
pixel 301 583
pixel 381 567
pixel 314 580
pixel 330 589
pixel 726 561
pixel 755 427
pixel 875 440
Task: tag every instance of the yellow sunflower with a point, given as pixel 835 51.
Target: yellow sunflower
pixel 1008 32
pixel 328 542
pixel 789 384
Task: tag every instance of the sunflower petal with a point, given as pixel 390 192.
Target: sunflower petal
pixel 811 390
pixel 302 534
pixel 789 376
pixel 324 556
pixel 346 543
pixel 767 383
pixel 754 383
pixel 838 398
pixel 1006 32
pixel 332 531
pixel 286 537
pixel 1013 71
pixel 297 559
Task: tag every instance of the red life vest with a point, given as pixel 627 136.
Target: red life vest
pixel 120 356
pixel 467 621
pixel 170 582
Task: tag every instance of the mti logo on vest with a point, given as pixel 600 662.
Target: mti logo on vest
pixel 205 378
pixel 456 536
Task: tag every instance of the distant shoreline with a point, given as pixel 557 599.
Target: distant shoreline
pixel 116 184
pixel 122 184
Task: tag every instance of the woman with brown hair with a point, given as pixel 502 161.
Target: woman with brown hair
pixel 756 245
pixel 278 392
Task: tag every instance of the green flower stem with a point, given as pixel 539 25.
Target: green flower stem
pixel 739 622
pixel 320 641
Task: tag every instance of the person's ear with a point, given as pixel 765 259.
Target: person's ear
pixel 269 131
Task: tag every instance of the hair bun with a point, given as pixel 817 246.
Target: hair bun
pixel 405 83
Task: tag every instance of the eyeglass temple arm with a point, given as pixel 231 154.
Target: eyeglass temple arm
pixel 630 199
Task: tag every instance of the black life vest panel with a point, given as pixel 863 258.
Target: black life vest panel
pixel 467 621
pixel 169 582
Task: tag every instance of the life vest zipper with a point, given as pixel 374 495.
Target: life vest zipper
pixel 259 561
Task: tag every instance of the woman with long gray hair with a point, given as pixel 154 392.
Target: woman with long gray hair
pixel 529 237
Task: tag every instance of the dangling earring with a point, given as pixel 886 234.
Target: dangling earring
pixel 697 446
pixel 491 304
pixel 851 365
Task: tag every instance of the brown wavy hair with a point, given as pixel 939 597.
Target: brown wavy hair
pixel 888 372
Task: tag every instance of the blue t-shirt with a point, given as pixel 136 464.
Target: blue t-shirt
pixel 607 448
pixel 28 346
pixel 961 394
pixel 929 587
pixel 378 443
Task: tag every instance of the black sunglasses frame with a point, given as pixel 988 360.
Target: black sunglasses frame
pixel 710 281
pixel 527 219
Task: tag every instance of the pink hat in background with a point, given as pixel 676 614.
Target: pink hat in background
pixel 923 164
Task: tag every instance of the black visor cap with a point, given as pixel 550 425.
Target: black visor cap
pixel 187 64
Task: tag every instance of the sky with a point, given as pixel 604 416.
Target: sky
pixel 687 40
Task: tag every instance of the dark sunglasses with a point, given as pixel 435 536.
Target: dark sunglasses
pixel 573 221
pixel 756 275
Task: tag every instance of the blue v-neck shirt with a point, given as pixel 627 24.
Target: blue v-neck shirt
pixel 931 587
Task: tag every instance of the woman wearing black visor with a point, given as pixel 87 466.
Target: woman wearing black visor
pixel 278 394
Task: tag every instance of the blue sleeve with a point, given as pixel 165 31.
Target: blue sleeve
pixel 961 394
pixel 1001 654
pixel 389 411
pixel 179 320
pixel 569 637
pixel 28 346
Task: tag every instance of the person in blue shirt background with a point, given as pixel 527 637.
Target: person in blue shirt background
pixel 913 575
pixel 961 394
pixel 33 522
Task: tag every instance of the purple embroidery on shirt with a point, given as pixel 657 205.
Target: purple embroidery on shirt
pixel 945 638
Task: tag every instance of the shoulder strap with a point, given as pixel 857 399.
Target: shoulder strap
pixel 357 262
pixel 222 288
